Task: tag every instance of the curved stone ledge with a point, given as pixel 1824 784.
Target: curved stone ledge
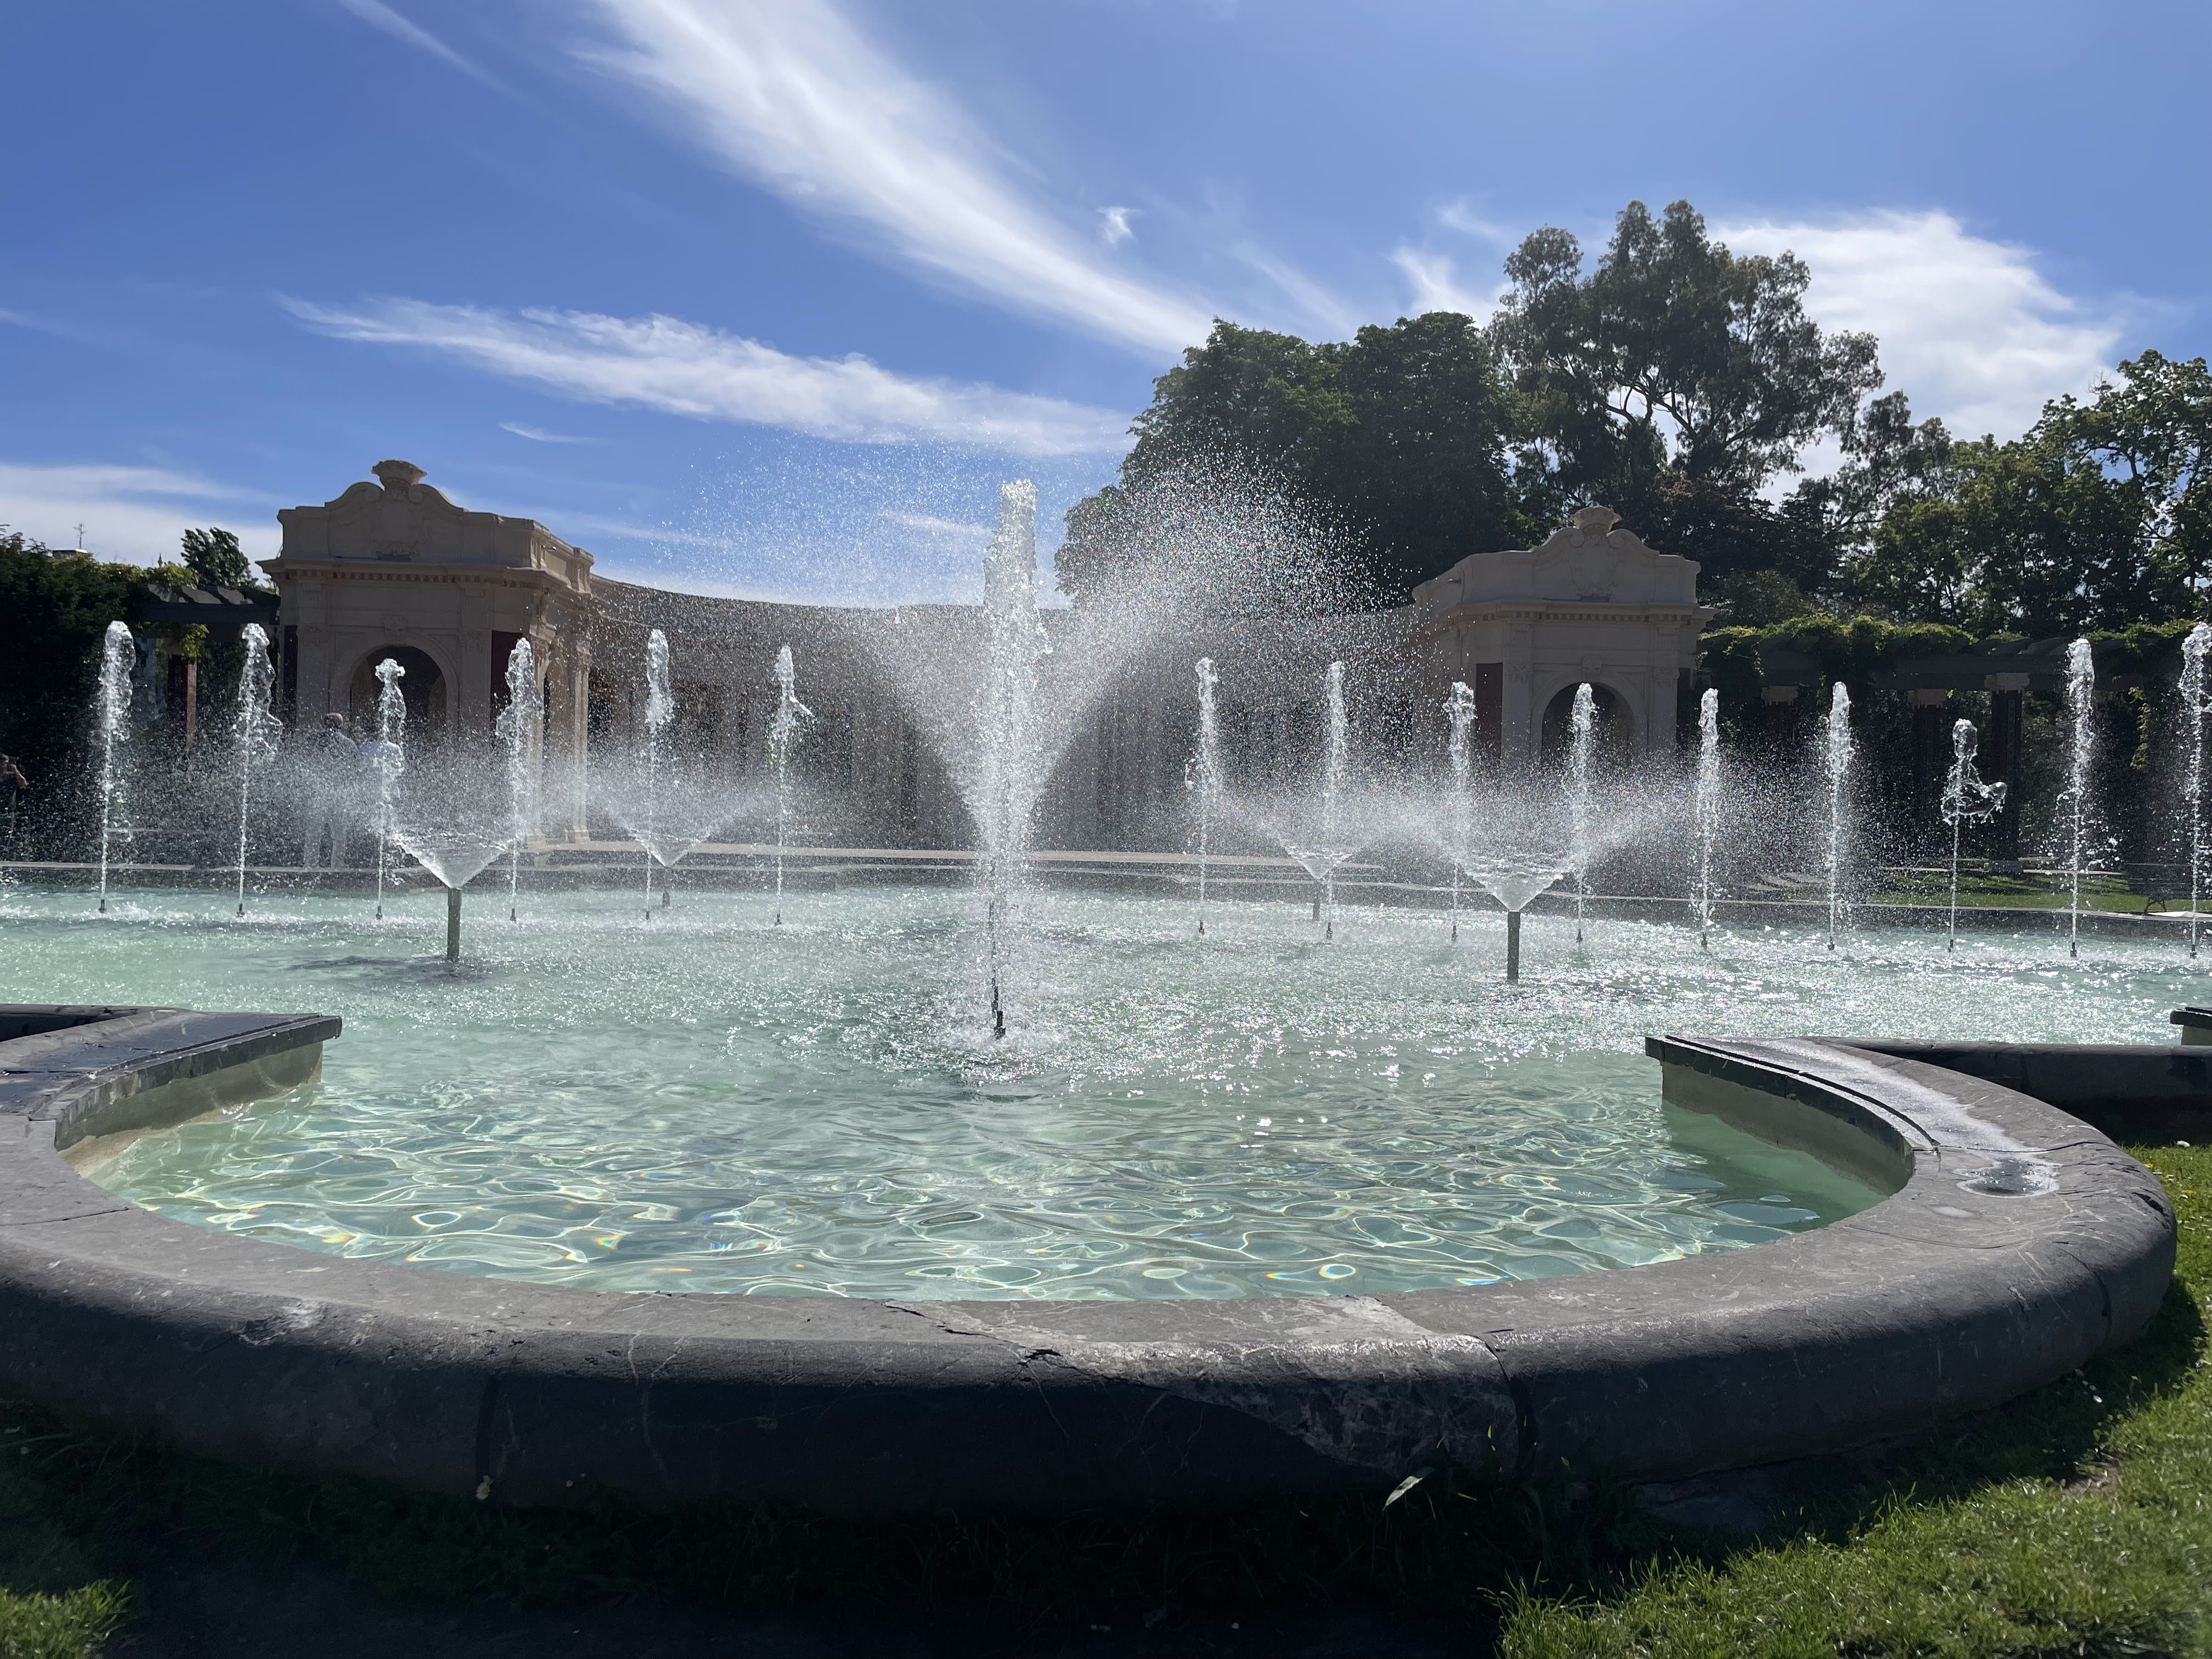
pixel 2016 1243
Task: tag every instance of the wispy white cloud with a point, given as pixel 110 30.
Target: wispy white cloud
pixel 378 16
pixel 1433 283
pixel 789 94
pixel 135 515
pixel 1319 307
pixel 937 526
pixel 1968 326
pixel 1462 215
pixel 687 368
pixel 538 434
pixel 1115 226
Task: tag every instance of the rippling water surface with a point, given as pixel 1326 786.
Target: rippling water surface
pixel 710 1103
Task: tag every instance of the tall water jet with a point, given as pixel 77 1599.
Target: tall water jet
pixel 1204 776
pixel 2080 708
pixel 390 761
pixel 659 715
pixel 2195 706
pixel 518 733
pixel 1708 808
pixel 1966 799
pixel 782 733
pixel 1332 791
pixel 1582 736
pixel 1008 758
pixel 1460 710
pixel 113 710
pixel 256 730
pixel 1836 754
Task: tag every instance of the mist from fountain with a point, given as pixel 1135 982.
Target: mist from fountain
pixel 1838 751
pixel 1009 750
pixel 2195 705
pixel 1459 711
pixel 112 711
pixel 2081 759
pixel 659 715
pixel 1965 799
pixel 1583 737
pixel 390 761
pixel 255 732
pixel 518 731
pixel 1707 807
pixel 1204 778
pixel 783 733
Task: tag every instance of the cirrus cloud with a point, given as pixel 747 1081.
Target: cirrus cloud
pixel 688 368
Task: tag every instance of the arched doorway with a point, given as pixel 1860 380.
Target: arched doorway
pixel 422 687
pixel 1614 726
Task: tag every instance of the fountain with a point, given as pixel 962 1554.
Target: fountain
pixel 1321 855
pixel 518 729
pixel 2080 708
pixel 258 731
pixel 1009 750
pixel 112 711
pixel 1459 709
pixel 390 761
pixel 1584 735
pixel 1203 778
pixel 2195 704
pixel 1708 808
pixel 1836 762
pixel 1965 799
pixel 782 733
pixel 659 714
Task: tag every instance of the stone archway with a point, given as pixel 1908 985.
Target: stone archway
pixel 423 686
pixel 1615 725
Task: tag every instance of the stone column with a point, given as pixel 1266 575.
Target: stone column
pixel 1932 751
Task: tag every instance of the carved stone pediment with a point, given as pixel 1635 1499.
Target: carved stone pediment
pixel 401 520
pixel 1590 560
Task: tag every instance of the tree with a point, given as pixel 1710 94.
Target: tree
pixel 2099 517
pixel 58 606
pixel 216 559
pixel 1676 380
pixel 1400 436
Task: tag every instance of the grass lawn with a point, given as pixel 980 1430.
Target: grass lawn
pixel 2076 1522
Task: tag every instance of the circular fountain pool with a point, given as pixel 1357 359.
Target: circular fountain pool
pixel 710 1103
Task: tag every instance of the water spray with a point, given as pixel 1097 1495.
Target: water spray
pixel 390 761
pixel 1836 754
pixel 2080 708
pixel 113 710
pixel 1459 708
pixel 518 730
pixel 1204 777
pixel 256 732
pixel 1966 799
pixel 660 713
pixel 1708 808
pixel 782 733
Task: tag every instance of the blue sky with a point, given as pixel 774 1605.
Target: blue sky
pixel 763 296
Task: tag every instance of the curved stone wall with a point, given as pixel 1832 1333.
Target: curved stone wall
pixel 2016 1243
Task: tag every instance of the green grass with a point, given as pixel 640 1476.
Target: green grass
pixel 2075 1521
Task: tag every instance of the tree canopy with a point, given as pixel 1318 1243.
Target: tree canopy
pixel 216 560
pixel 1400 434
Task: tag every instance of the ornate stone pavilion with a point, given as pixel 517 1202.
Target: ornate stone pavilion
pixel 1526 626
pixel 395 568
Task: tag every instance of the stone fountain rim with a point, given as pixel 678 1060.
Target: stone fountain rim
pixel 1938 1299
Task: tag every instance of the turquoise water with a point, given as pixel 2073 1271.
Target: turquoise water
pixel 708 1103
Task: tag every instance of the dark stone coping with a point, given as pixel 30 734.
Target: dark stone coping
pixel 2016 1243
